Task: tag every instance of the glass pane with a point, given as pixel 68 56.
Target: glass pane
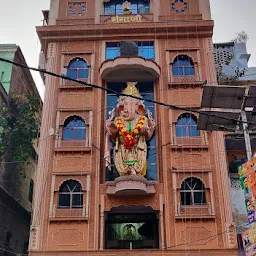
pixel 199 197
pixel 146 50
pixel 193 132
pixel 80 134
pixel 186 198
pixel 180 131
pixel 72 73
pixel 112 51
pixel 109 10
pixel 183 120
pixel 177 71
pixel 77 200
pixel 152 142
pixel 189 71
pixel 186 184
pixel 64 200
pixel 83 73
pixel 119 9
pixel 134 8
pixel 151 173
pixel 68 134
pixel 151 155
pixel 198 185
pixel 76 187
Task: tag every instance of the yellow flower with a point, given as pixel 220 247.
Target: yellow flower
pixel 136 131
pixel 139 125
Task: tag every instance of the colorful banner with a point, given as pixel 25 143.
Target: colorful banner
pixel 249 241
pixel 247 173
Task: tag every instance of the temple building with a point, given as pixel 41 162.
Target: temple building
pixel 118 172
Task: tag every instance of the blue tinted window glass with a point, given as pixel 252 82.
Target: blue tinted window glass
pixel 116 6
pixel 134 8
pixel 112 50
pixel 72 73
pixel 183 66
pixel 77 68
pixel 193 132
pixel 68 134
pixel 82 73
pixel 177 71
pixel 80 133
pixel 180 131
pixel 146 50
pixel 189 71
pixel 119 9
pixel 77 63
pixel 186 127
pixel 74 129
pixel 151 172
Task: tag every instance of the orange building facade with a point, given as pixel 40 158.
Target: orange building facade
pixel 182 204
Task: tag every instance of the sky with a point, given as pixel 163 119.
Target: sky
pixel 19 18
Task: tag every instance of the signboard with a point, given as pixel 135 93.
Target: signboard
pixel 126 19
pixel 249 241
pixel 247 173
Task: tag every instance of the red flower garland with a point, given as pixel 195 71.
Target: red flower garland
pixel 129 136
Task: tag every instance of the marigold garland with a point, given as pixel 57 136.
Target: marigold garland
pixel 129 140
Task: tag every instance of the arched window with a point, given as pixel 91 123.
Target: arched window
pixel 192 192
pixel 187 126
pixel 71 195
pixel 74 129
pixel 77 68
pixel 183 66
pixel 31 191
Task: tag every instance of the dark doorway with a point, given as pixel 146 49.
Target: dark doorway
pixel 131 227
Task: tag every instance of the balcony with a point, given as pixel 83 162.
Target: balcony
pixel 132 68
pixel 130 185
pixel 195 212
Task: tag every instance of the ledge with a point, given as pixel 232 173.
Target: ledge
pixel 70 149
pixel 193 217
pixel 130 185
pixel 140 69
pixel 59 219
pixel 186 84
pixel 187 146
pixel 75 87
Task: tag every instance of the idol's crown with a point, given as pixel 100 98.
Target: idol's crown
pixel 131 90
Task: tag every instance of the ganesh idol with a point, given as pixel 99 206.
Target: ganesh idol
pixel 129 131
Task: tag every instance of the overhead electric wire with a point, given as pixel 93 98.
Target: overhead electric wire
pixel 123 94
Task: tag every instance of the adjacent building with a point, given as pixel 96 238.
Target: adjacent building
pixel 16 189
pixel 231 60
pixel 176 203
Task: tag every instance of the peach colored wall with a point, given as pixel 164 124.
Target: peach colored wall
pixel 177 158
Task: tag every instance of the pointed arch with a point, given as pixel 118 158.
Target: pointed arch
pixel 186 126
pixel 183 65
pixel 70 194
pixel 192 191
pixel 74 128
pixel 77 69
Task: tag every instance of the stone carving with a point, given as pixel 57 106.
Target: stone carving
pixel 129 131
pixel 76 9
pixel 68 237
pixel 198 235
pixel 179 6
